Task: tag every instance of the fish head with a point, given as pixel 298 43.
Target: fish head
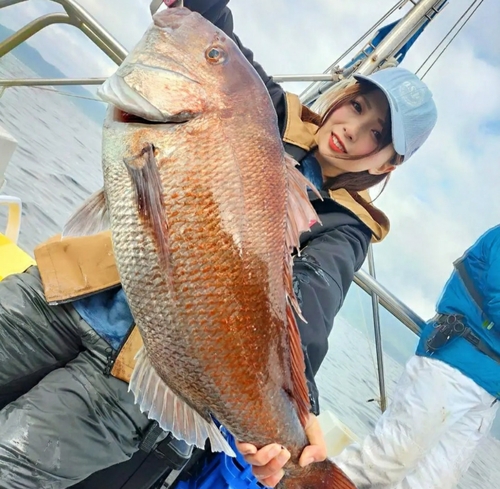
pixel 183 68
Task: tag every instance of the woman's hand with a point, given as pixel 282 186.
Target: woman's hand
pixel 268 462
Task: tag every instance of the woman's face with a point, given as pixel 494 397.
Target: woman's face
pixel 355 129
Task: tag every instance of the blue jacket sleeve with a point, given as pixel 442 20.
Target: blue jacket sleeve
pixel 491 285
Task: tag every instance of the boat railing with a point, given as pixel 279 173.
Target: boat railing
pixel 423 11
pixel 74 15
pixel 390 302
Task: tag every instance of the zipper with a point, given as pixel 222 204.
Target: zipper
pixel 317 269
pixel 112 355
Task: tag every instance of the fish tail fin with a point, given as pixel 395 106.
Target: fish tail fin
pixel 321 475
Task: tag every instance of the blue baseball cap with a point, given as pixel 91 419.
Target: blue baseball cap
pixel 413 111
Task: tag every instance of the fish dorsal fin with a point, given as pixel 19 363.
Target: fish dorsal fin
pixel 90 218
pixel 170 411
pixel 300 216
pixel 300 392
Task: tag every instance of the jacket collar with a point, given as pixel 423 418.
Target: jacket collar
pixel 299 136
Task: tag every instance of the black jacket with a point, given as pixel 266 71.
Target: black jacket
pixel 332 252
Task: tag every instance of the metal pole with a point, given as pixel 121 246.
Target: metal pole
pixel 390 302
pixel 37 25
pixel 75 15
pixel 421 12
pixel 313 90
pixel 378 334
pixel 78 12
pixel 410 23
pixel 34 82
pixel 116 56
pixel 305 78
pixel 98 81
pixel 30 29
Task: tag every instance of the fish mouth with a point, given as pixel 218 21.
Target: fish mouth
pixel 127 103
pixel 129 107
pixel 123 117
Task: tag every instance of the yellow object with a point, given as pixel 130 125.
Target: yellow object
pixel 12 258
pixel 14 217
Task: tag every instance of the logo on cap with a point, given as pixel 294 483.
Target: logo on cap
pixel 411 93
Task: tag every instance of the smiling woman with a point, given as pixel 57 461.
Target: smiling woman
pixel 364 123
pixel 355 128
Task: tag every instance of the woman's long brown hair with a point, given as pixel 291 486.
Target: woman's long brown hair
pixel 356 181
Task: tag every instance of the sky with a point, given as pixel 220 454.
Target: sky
pixel 444 197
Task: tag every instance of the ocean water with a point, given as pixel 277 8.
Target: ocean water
pixel 57 161
pixel 57 165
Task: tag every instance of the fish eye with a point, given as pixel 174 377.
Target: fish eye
pixel 215 55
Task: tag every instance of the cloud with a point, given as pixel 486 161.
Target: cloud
pixel 446 197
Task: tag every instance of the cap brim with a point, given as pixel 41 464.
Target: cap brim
pixel 397 127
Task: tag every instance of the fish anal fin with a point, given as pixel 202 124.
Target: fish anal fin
pixel 90 218
pixel 171 412
pixel 146 181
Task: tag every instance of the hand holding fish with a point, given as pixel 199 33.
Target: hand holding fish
pixel 268 462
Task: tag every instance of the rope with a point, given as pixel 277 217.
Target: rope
pixel 331 68
pixel 451 40
pixel 397 6
pixel 66 94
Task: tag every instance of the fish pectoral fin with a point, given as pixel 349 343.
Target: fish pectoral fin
pixel 300 212
pixel 170 411
pixel 90 218
pixel 146 181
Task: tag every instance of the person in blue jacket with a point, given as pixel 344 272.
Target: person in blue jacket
pixel 446 400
